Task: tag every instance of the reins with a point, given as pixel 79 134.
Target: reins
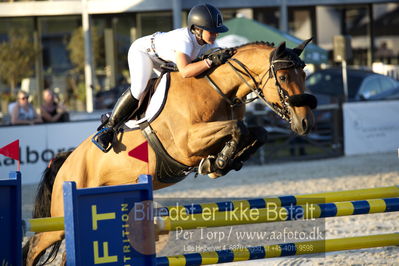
pixel 281 111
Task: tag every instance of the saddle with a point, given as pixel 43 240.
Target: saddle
pixel 143 104
pixel 168 170
pixel 152 100
pixel 152 85
pixel 145 98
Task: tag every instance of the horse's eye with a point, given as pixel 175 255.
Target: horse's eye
pixel 283 78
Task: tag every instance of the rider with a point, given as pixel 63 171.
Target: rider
pixel 180 47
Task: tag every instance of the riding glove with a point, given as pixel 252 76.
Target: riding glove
pixel 220 57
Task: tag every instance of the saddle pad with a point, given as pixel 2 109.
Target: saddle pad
pixel 156 104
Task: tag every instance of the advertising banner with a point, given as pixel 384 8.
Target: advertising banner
pixel 39 144
pixel 371 127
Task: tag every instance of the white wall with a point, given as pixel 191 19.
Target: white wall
pixel 39 143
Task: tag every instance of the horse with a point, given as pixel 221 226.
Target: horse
pixel 201 122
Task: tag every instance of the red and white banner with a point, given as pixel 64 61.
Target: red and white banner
pixel 38 144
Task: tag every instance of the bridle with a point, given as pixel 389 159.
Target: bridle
pixel 282 110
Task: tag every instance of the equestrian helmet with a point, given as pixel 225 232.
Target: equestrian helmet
pixel 206 17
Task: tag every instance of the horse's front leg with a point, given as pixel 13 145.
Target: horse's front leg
pixel 256 138
pixel 216 143
pixel 250 141
pixel 223 159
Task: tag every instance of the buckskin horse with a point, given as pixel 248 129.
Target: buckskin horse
pixel 201 122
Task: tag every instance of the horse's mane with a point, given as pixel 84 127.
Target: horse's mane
pixel 268 44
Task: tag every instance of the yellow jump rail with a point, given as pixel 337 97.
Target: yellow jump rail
pixel 57 223
pixel 281 250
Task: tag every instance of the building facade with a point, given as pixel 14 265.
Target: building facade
pixel 109 27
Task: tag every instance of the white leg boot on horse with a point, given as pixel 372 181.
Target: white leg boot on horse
pixel 123 110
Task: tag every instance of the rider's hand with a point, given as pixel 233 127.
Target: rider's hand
pixel 220 57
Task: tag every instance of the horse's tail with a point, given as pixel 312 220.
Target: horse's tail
pixel 45 188
pixel 42 205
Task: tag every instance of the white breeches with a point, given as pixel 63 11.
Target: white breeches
pixel 141 65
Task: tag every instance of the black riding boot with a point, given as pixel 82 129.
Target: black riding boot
pixel 123 110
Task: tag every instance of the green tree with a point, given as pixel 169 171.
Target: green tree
pixel 77 57
pixel 77 51
pixel 17 57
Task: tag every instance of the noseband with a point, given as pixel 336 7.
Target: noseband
pixel 285 100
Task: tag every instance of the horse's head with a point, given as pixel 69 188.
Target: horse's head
pixel 285 88
pixel 281 84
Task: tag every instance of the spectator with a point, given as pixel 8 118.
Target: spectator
pixel 23 112
pixel 52 110
pixel 383 52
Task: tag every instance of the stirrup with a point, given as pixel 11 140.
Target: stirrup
pixel 94 139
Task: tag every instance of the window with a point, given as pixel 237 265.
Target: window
pixel 56 32
pixel 369 88
pixel 386 83
pixel 148 23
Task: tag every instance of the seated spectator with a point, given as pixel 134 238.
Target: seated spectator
pixel 52 110
pixel 23 112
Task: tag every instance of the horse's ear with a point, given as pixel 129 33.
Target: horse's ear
pixel 280 50
pixel 299 49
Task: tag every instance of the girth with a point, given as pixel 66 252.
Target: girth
pixel 167 170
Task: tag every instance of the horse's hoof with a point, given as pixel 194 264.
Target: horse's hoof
pixel 205 166
pixel 214 175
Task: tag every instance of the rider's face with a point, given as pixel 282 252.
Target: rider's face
pixel 209 37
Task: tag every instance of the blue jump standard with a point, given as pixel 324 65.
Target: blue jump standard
pixel 10 220
pixel 97 223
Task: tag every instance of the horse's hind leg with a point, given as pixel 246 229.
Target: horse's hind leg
pixel 63 261
pixel 39 243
